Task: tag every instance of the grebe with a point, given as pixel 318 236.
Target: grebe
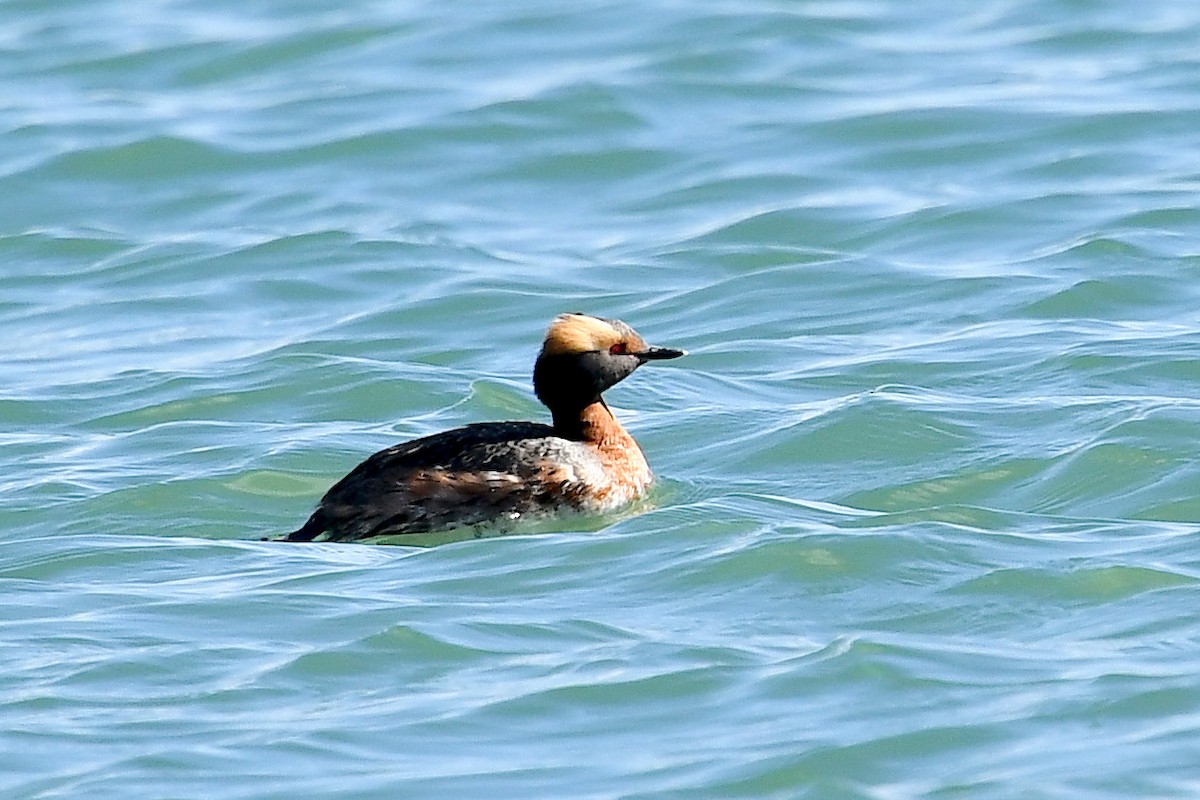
pixel 496 471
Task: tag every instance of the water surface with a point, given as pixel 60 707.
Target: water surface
pixel 928 486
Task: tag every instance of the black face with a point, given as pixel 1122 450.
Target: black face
pixel 606 368
pixel 573 380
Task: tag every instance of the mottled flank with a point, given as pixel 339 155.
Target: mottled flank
pixel 469 476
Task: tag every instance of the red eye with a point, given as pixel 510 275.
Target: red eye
pixel 619 349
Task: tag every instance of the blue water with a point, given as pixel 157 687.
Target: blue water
pixel 928 492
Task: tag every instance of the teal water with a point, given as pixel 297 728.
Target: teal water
pixel 929 497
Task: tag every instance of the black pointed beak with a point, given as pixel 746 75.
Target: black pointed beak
pixel 659 354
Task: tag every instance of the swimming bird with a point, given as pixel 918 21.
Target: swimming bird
pixel 492 472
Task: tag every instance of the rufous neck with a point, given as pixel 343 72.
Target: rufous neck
pixel 593 423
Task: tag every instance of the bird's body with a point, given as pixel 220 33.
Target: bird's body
pixel 493 472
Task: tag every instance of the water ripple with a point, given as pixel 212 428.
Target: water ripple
pixel 926 515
